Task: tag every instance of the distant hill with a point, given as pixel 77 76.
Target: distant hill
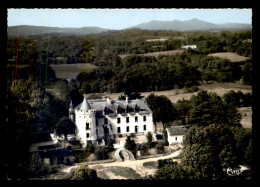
pixel 190 25
pixel 27 30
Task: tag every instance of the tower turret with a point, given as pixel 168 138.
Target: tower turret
pixel 85 123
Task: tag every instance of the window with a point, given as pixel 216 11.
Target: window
pixel 118 120
pixel 127 119
pixel 118 130
pixel 136 129
pixel 144 127
pixel 136 118
pixel 97 131
pixel 175 138
pixel 87 135
pixel 105 121
pixel 87 126
pixel 144 118
pixel 127 128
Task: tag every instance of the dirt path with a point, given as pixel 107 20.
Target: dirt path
pixel 136 165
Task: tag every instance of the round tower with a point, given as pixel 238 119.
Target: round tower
pixel 85 123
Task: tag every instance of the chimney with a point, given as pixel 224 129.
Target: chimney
pixel 109 101
pixel 126 99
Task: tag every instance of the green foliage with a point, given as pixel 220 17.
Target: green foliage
pixel 208 150
pixel 208 108
pixel 130 145
pixel 162 163
pixel 238 99
pixel 81 155
pixel 247 73
pixel 38 168
pixel 183 108
pixel 165 138
pixel 143 148
pixel 149 140
pixel 243 137
pixel 160 148
pixel 102 153
pixel 64 126
pixel 90 147
pixel 163 109
pixel 170 170
pixel 84 173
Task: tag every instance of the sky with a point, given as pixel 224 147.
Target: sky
pixel 121 18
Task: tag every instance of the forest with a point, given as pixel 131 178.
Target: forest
pixel 38 100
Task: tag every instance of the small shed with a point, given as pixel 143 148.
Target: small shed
pixel 176 134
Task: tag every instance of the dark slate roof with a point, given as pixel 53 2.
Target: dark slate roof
pixel 84 105
pixel 101 105
pixel 177 130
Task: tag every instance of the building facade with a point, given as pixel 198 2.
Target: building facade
pixel 176 134
pixel 96 120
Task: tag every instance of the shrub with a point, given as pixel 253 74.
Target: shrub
pixel 38 168
pixel 162 163
pixel 160 148
pixel 81 155
pixel 149 139
pixel 84 173
pixel 130 145
pixel 143 148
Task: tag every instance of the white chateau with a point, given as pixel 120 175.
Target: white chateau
pixel 97 119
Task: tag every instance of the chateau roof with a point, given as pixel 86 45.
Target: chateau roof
pixel 101 105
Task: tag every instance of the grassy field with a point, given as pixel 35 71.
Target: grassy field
pixel 155 54
pixel 71 71
pixel 233 57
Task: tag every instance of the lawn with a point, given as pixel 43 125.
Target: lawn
pixel 71 71
pixel 155 54
pixel 233 57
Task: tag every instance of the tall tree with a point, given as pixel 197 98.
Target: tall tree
pixel 163 110
pixel 208 108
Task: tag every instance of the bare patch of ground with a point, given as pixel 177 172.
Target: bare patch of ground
pixel 155 54
pixel 233 57
pixel 246 113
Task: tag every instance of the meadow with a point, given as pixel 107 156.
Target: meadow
pixel 233 57
pixel 71 71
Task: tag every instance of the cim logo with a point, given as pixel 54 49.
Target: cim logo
pixel 234 172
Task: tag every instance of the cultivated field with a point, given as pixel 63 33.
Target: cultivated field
pixel 176 94
pixel 71 71
pixel 155 54
pixel 233 57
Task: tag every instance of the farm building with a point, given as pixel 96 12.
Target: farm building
pixel 176 134
pixel 189 46
pixel 96 120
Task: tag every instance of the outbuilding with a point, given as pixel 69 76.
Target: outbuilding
pixel 176 134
